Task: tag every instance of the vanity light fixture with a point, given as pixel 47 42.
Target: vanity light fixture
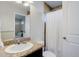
pixel 30 1
pixel 26 4
pixel 19 2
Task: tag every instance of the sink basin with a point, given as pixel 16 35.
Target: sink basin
pixel 15 48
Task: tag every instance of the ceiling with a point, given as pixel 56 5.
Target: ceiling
pixel 53 3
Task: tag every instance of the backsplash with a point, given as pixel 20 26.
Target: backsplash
pixel 14 41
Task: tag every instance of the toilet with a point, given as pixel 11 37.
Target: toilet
pixel 48 54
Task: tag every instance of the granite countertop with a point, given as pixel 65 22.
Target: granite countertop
pixel 24 53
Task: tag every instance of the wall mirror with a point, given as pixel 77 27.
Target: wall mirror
pixel 19 25
pixel 15 21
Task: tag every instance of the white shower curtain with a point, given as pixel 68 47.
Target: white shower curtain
pixel 53 30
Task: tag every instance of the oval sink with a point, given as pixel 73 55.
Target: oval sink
pixel 15 48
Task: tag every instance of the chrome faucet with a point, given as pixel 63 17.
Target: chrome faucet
pixel 17 41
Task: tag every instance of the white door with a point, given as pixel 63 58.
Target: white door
pixel 70 33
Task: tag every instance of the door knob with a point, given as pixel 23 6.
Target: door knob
pixel 64 38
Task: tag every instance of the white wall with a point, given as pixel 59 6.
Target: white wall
pixel 1 44
pixel 37 13
pixel 0 29
pixel 7 17
pixel 53 30
pixel 27 26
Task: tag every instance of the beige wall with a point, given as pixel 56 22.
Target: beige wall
pixel 7 17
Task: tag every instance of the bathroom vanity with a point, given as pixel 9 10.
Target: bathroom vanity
pixel 35 51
